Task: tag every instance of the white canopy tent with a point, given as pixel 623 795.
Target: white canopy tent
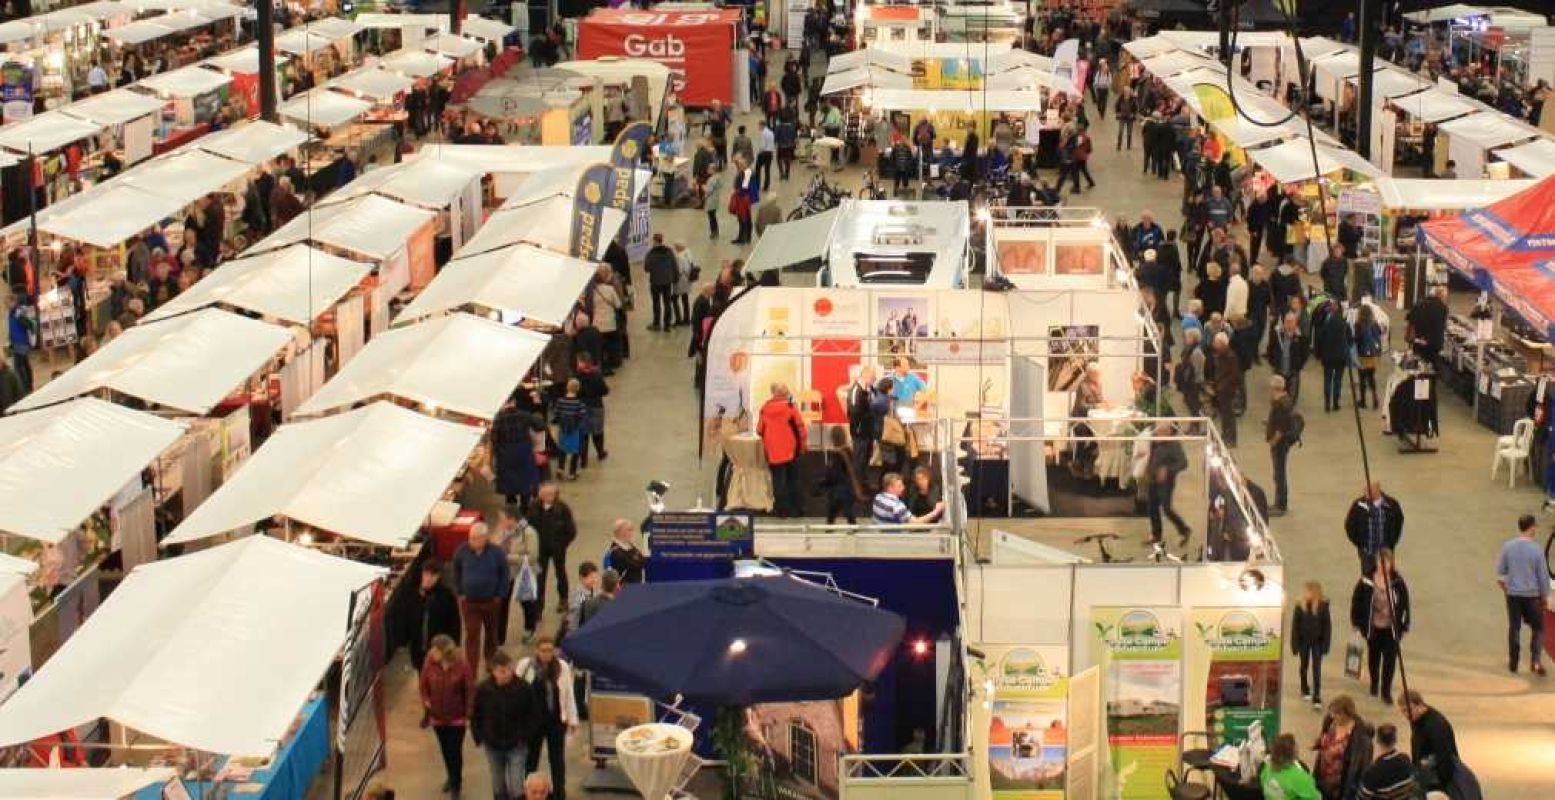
pixel 1027 79
pixel 1291 161
pixel 415 63
pixel 60 464
pixel 536 284
pixel 1420 194
pixel 185 177
pixel 215 651
pixel 546 224
pixel 188 363
pixel 112 783
pixel 243 61
pixel 380 21
pixel 513 158
pixel 323 108
pixel 294 284
pixel 301 42
pixel 113 108
pixel 1391 82
pixel 1471 138
pixel 983 51
pixel 462 363
pixel 372 474
pixel 952 100
pixel 869 57
pixel 1434 105
pixel 190 81
pixel 562 181
pixel 1150 46
pixel 46 132
pixel 374 84
pixel 253 143
pixel 16 565
pixel 1445 13
pixel 373 226
pixel 423 182
pixel 107 216
pixel 1172 62
pixel 485 28
pixel 146 30
pixel 333 27
pixel 789 243
pixel 1537 158
pixel 616 70
pixel 451 45
pixel 1008 60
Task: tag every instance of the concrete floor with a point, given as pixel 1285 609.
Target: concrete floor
pixel 1456 521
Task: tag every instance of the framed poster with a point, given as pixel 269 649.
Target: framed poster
pixel 1070 349
pixel 1028 257
pixel 1079 258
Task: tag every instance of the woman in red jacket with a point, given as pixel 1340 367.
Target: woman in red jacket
pixel 783 433
pixel 447 691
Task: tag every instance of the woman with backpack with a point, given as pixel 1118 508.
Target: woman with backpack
pixel 1367 335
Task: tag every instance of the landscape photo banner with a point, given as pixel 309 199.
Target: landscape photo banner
pixel 1028 726
pixel 1140 651
pixel 1234 672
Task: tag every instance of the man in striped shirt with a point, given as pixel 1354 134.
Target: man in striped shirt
pixel 889 509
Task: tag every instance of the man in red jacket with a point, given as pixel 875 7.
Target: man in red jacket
pixel 783 435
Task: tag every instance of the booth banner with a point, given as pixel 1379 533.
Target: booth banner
pixel 832 313
pixel 802 744
pixel 1141 655
pixel 677 39
pixel 613 707
pixel 959 351
pixel 588 210
pixel 701 536
pixel 16 83
pixel 15 642
pixel 726 388
pixel 1234 660
pixel 1028 729
pixel 900 321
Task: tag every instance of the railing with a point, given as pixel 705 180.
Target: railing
pixel 955 766
pixel 886 541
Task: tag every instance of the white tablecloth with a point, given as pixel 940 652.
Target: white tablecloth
pixel 653 769
pixel 1112 457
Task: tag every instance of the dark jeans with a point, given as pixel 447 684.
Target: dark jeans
pixel 614 349
pixel 712 223
pixel 743 236
pixel 549 557
pixel 764 168
pixel 1280 454
pixel 480 628
pixel 1368 380
pixel 1333 383
pixel 840 506
pixel 1381 660
pixel 786 497
pixel 1125 134
pixel 900 181
pixel 1521 610
pixel 23 366
pixel 862 450
pixel 1311 658
pixel 1225 410
pixel 682 306
pixel 553 734
pixel 1161 505
pixel 1075 170
pixel 663 304
pixel 450 742
pixel 1293 386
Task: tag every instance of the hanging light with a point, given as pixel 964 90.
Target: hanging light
pixel 737 647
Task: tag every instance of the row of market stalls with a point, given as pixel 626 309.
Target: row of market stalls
pixel 296 329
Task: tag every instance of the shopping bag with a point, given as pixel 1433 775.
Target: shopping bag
pixel 525 588
pixel 1354 655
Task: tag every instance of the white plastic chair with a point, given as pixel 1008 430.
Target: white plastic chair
pixel 1514 450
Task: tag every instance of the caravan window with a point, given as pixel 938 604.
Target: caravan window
pixel 904 268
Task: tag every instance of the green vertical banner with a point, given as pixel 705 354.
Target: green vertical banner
pixel 588 211
pixel 1028 728
pixel 1140 652
pixel 1234 672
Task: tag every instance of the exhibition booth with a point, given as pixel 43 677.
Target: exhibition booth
pixel 678 39
pixel 452 191
pixel 522 283
pixel 196 100
pixel 129 118
pixel 242 66
pixel 1062 248
pixel 137 684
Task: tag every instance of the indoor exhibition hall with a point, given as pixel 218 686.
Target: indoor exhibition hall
pixel 777 400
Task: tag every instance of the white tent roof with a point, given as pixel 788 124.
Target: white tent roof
pixel 373 83
pixel 244 61
pixel 1029 79
pixel 16 565
pixel 511 158
pixel 112 783
pixel 869 57
pixel 113 108
pixel 140 32
pixel 371 474
pixel 1445 13
pixel 1537 158
pixel 1488 130
pixel 1206 39
pixel 979 50
pixel 952 100
pixel 451 45
pixel 188 363
pixel 99 10
pixel 415 63
pixel 1390 83
pixel 1434 105
pixel 614 69
pixel 299 42
pixel 18 30
pixel 1419 194
pixel 463 363
pixel 253 143
pixel 185 177
pixel 844 80
pixel 279 284
pixel 190 81
pixel 423 182
pixel 1174 61
pixel 378 20
pixel 334 27
pixel 546 224
pixel 1017 59
pixel 324 108
pixel 538 284
pixel 47 132
pixel 789 243
pixel 107 216
pixel 373 226
pixel 485 28
pixel 215 651
pixel 1291 161
pixel 208 6
pixel 60 464
pixel 1150 46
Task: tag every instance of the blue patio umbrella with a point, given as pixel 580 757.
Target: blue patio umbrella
pixel 738 641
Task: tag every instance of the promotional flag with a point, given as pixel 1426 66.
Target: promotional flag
pixel 624 158
pixel 588 210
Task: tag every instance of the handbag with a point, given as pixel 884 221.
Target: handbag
pixel 739 203
pixel 893 432
pixel 1354 655
pixel 525 588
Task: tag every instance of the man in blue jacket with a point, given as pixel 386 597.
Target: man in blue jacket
pixel 481 580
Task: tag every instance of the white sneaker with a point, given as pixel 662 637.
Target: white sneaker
pixel 1306 698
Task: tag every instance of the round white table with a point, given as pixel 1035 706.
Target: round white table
pixel 652 756
pixel 1112 456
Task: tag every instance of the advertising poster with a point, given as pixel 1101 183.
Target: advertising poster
pixel 802 744
pixel 829 313
pixel 1023 257
pixel 1078 259
pixel 899 320
pixel 1141 654
pixel 16 82
pixel 1070 349
pixel 727 402
pixel 1234 660
pixel 1028 730
pixel 778 355
pixel 676 39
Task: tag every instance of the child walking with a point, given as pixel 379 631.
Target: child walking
pixel 571 429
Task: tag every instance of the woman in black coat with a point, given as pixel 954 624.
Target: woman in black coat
pixel 1331 345
pixel 428 611
pixel 1311 632
pixel 1383 624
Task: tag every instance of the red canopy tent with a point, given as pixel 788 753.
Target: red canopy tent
pixel 1507 249
pixel 696 45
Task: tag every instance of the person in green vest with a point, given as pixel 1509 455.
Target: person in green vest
pixel 1283 777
